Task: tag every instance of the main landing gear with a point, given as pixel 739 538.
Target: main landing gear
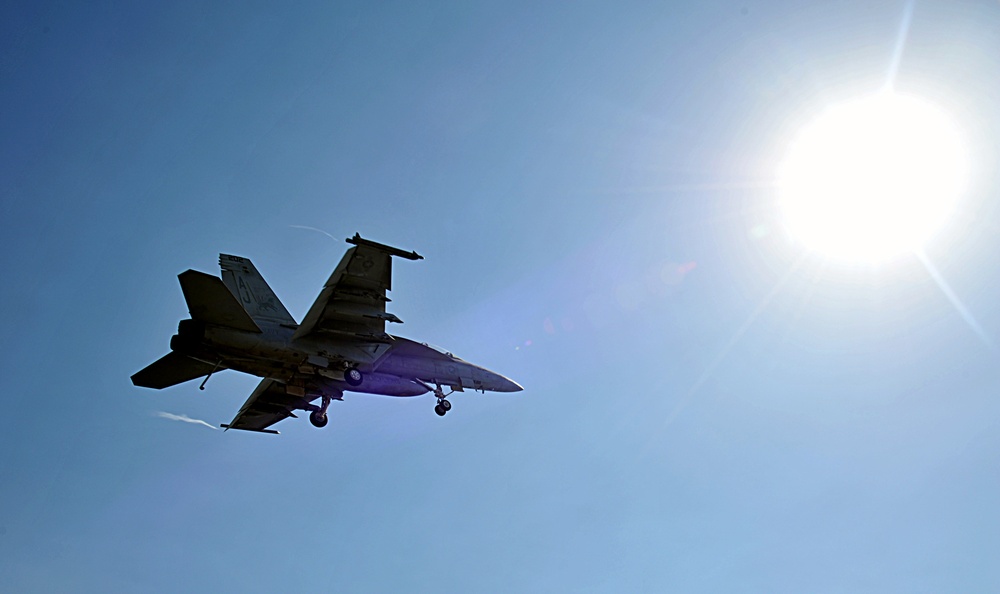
pixel 318 416
pixel 353 376
pixel 318 420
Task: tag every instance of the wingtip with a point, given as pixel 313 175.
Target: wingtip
pixel 392 251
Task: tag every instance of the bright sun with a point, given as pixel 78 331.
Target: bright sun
pixel 872 179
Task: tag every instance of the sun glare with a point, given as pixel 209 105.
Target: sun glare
pixel 872 179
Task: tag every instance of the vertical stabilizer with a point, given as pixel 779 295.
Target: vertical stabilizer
pixel 209 300
pixel 252 291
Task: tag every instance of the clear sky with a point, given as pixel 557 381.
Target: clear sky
pixel 708 407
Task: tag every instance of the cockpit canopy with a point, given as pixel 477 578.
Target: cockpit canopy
pixel 441 350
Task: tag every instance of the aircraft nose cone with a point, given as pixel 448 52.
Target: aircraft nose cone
pixel 507 385
pixel 492 381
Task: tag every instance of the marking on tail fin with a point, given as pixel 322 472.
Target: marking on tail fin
pixel 247 284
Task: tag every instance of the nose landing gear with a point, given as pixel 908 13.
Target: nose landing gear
pixel 443 405
pixel 442 408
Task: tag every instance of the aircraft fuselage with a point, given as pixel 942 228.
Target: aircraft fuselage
pixel 392 366
pixel 341 345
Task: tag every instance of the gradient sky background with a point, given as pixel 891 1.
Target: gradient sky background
pixel 706 407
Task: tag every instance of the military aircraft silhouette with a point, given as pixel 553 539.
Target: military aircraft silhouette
pixel 237 322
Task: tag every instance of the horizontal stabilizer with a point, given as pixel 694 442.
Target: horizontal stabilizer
pixel 170 370
pixel 210 301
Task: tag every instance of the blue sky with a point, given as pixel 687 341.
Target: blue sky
pixel 707 407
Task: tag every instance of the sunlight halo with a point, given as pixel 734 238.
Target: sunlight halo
pixel 871 179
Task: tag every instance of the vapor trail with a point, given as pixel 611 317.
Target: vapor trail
pixel 313 229
pixel 184 419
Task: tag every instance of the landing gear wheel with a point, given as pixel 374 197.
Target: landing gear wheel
pixel 318 419
pixel 445 405
pixel 440 410
pixel 353 377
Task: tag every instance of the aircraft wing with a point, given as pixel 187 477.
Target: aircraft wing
pixel 267 405
pixel 353 300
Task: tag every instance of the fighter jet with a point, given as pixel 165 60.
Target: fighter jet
pixel 237 322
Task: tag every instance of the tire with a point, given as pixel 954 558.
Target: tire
pixel 445 405
pixel 440 410
pixel 353 377
pixel 318 420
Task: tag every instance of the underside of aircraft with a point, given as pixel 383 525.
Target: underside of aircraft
pixel 237 322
